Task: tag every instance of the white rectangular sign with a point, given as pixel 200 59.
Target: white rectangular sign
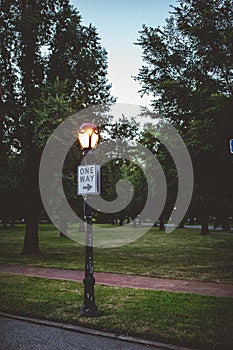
pixel 88 179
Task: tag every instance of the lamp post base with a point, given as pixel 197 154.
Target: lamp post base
pixel 89 312
pixel 89 308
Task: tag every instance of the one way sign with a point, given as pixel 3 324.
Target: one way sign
pixel 88 179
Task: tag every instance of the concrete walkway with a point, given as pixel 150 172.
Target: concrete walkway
pixel 118 280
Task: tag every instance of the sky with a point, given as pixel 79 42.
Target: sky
pixel 118 23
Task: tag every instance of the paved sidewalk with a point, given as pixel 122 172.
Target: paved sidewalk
pixel 110 279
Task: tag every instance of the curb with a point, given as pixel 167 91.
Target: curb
pixel 78 329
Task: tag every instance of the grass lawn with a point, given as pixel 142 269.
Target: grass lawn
pixel 185 319
pixel 179 318
pixel 183 254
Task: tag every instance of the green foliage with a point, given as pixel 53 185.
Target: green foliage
pixel 188 68
pixel 50 110
pixel 51 66
pixel 190 59
pixel 50 62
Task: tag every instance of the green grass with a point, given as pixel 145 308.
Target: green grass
pixel 178 318
pixel 183 254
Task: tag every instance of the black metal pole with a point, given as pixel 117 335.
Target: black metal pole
pixel 89 307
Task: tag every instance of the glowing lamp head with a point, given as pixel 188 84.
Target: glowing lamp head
pixel 88 136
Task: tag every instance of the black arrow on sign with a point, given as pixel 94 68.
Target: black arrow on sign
pixel 87 187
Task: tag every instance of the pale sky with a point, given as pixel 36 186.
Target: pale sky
pixel 118 23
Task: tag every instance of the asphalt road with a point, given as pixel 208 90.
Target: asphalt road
pixel 15 335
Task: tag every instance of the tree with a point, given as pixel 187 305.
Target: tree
pixel 150 138
pixel 119 168
pixel 189 70
pixel 51 66
pixel 78 58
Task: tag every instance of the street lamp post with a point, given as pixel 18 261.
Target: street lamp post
pixel 88 138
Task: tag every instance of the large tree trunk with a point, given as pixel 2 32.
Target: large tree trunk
pixel 205 226
pixel 161 224
pixel 3 167
pixel 181 224
pixel 31 239
pixel 33 206
pixel 3 158
pixel 225 224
